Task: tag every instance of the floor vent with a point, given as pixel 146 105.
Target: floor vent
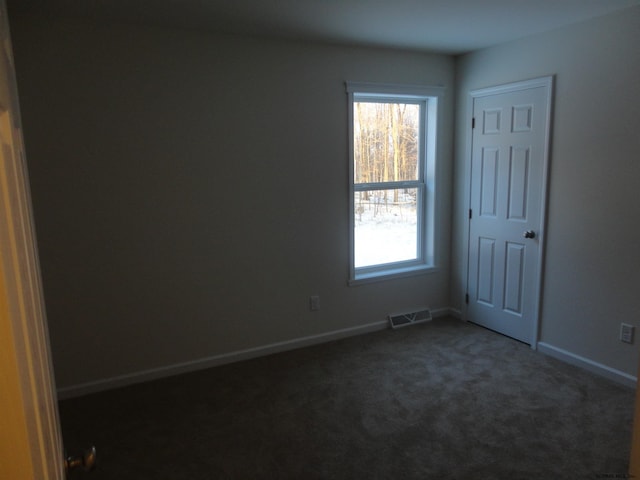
pixel 409 318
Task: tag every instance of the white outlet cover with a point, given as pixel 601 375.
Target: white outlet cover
pixel 314 302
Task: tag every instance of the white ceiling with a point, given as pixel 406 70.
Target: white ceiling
pixel 447 26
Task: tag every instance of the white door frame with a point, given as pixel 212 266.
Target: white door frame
pixel 30 442
pixel 547 82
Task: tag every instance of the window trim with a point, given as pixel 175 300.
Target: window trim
pixel 429 96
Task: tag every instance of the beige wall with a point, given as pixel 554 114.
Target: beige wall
pixel 592 267
pixel 190 190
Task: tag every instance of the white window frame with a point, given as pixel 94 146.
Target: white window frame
pixel 428 98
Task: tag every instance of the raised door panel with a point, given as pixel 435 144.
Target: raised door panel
pixel 486 270
pixel 514 278
pixel 518 183
pixel 489 181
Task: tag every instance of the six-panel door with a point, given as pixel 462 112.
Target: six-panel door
pixel 507 193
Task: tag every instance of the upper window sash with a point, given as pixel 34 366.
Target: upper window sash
pixel 420 116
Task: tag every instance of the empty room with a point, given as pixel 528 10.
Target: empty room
pixel 320 239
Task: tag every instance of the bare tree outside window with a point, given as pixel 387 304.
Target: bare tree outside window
pixel 386 141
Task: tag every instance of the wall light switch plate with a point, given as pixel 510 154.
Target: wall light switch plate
pixel 626 333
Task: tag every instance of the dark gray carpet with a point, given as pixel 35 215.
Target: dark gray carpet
pixel 443 400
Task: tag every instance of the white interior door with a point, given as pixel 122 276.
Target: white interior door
pixel 30 441
pixel 507 204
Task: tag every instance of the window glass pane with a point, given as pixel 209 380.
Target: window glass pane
pixel 386 226
pixel 385 143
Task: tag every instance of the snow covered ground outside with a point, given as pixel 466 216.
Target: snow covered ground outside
pixel 384 233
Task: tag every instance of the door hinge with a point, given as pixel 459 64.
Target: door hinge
pixel 473 122
pixel 466 298
pixel 470 214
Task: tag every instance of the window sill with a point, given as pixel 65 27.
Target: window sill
pixel 391 274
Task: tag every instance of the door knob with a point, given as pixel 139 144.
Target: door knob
pixel 529 234
pixel 86 461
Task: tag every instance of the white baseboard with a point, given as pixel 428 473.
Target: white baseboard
pixel 214 361
pixel 455 313
pixel 582 362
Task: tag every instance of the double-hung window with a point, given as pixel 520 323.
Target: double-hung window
pixel 392 153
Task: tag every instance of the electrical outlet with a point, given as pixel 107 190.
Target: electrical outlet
pixel 626 333
pixel 314 302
